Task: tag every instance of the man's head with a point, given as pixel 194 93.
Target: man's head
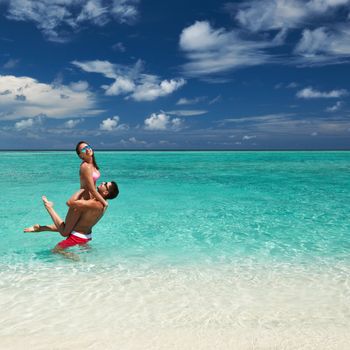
pixel 108 190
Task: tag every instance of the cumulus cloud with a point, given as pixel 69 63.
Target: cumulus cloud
pixel 57 19
pixel 130 81
pixel 72 123
pixel 24 124
pixel 135 141
pixel 26 97
pixel 211 50
pixel 112 124
pixel 150 88
pixel 162 121
pixel 309 93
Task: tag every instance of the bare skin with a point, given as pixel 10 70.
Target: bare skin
pixel 86 183
pixel 87 214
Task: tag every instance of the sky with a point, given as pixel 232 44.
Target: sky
pixel 136 74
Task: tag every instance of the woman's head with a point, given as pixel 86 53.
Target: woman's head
pixel 85 152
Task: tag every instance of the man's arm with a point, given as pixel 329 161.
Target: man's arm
pixel 77 195
pixel 85 204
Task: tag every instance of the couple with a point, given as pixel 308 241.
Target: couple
pixel 86 207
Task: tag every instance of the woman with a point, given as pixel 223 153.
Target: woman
pixel 89 172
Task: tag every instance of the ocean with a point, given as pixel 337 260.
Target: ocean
pixel 201 250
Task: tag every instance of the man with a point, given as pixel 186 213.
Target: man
pixel 79 232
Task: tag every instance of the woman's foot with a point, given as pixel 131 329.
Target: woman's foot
pixel 47 203
pixel 34 228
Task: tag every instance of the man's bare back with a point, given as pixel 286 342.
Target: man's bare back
pixel 88 219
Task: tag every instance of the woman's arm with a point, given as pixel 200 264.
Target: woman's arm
pixel 77 195
pixel 86 175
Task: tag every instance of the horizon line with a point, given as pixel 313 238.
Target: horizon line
pixel 177 150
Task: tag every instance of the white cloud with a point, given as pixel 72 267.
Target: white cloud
pixel 186 113
pixel 162 121
pixel 177 123
pixel 120 86
pixel 112 124
pixel 212 50
pixel 157 121
pixel 269 14
pixel 125 10
pixel 109 124
pixel 151 89
pixel 135 141
pixel 57 19
pixel 335 107
pixel 317 46
pixel 130 81
pixel 132 141
pixel 24 124
pixel 106 68
pixel 324 46
pixel 72 123
pixel 309 93
pixel 190 101
pixel 247 137
pixel 26 97
pixel 79 86
pixel 259 118
pixel 257 15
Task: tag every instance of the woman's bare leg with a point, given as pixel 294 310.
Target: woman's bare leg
pixel 71 220
pixel 39 228
pixel 59 223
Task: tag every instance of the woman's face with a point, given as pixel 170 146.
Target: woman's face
pixel 85 151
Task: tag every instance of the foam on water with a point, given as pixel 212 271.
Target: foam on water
pixel 201 250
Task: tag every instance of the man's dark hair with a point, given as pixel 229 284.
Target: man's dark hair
pixel 113 190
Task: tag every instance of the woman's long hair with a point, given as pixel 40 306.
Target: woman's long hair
pixel 93 156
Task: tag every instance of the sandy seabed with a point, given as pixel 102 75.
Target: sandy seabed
pixel 223 307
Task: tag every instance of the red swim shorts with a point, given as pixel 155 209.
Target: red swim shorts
pixel 75 238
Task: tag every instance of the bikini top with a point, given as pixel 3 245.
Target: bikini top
pixel 96 175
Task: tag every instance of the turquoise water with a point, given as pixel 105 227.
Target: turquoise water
pixel 201 250
pixel 187 207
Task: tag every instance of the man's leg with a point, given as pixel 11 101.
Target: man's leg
pixel 62 251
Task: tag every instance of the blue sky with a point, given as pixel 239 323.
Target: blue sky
pixel 135 74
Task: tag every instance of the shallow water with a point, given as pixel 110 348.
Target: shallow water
pixel 200 250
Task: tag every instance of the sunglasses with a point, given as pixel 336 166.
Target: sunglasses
pixel 84 149
pixel 105 185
